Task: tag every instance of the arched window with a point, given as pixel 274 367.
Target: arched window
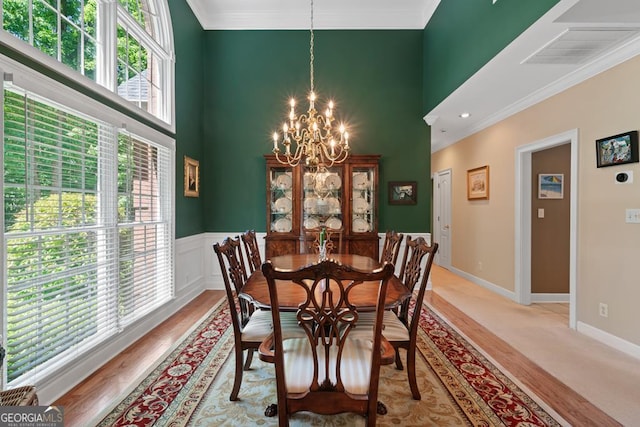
pixel 125 46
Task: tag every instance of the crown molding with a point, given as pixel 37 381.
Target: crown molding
pixel 611 59
pixel 413 15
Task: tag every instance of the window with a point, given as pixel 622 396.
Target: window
pixel 87 231
pixel 126 47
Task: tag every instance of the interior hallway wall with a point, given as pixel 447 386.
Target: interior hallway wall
pixel 483 232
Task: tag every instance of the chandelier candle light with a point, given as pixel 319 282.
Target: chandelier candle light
pixel 311 134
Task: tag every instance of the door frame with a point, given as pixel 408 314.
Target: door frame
pixel 523 196
pixel 436 213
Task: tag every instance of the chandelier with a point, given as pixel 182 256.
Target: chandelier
pixel 311 137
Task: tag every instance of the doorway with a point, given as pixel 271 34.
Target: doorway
pixel 442 217
pixel 523 218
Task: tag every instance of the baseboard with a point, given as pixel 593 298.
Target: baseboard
pixel 485 284
pixel 588 330
pixel 611 340
pixel 551 298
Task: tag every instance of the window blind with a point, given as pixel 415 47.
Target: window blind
pixel 87 232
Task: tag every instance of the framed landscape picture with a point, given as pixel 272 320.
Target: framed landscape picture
pixel 191 177
pixel 403 192
pixel 478 183
pixel 617 149
pixel 550 186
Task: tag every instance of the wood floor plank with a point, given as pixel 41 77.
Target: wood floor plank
pixel 109 382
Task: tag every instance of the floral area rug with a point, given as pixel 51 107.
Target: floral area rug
pixel 459 387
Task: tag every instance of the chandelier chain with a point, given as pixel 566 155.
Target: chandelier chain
pixel 311 49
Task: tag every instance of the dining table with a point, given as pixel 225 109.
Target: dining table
pixel 364 296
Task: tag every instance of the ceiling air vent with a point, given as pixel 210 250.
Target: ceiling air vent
pixel 577 45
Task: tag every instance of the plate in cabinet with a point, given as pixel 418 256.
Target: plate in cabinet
pixel 360 181
pixel 333 182
pixel 283 225
pixel 333 223
pixel 283 205
pixel 311 223
pixel 310 205
pixel 284 181
pixel 360 205
pixel 360 225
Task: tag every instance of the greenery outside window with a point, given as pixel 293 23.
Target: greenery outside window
pixel 88 230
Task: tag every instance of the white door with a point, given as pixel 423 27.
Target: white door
pixel 442 217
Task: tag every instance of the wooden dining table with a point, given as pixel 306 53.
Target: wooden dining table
pixel 364 296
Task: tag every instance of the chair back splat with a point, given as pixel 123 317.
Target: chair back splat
pixel 310 243
pixel 327 371
pixel 391 247
pixel 254 260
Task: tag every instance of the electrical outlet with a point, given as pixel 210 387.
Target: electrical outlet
pixel 604 310
pixel 479 265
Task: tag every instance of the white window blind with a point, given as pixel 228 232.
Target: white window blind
pixel 88 238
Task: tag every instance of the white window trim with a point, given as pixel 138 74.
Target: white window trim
pixel 44 86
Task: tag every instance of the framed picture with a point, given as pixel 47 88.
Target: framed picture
pixel 550 186
pixel 191 177
pixel 478 183
pixel 617 149
pixel 403 192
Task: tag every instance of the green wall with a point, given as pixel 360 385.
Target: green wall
pixel 462 36
pixel 188 38
pixel 232 87
pixel 375 78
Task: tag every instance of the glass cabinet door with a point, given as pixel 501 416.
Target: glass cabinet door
pixel 281 199
pixel 363 208
pixel 322 197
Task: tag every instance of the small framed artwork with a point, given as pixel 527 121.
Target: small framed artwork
pixel 478 183
pixel 617 149
pixel 403 192
pixel 191 177
pixel 550 186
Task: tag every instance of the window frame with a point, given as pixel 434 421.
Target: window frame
pixel 31 80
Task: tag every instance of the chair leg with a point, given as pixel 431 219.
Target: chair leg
pixel 398 360
pixel 411 373
pixel 247 363
pixel 237 381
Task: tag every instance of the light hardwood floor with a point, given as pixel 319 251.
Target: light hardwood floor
pixel 108 383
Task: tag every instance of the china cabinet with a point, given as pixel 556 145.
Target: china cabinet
pixel 342 197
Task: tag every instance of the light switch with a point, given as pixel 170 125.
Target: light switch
pixel 540 212
pixel 632 216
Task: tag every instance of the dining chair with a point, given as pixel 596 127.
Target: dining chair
pixel 391 247
pixel 250 242
pixel 250 326
pixel 311 240
pixel 401 323
pixel 327 371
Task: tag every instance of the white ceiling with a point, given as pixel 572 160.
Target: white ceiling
pixel 572 42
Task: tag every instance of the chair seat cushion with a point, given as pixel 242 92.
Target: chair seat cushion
pixel 260 325
pixel 392 328
pixel 355 369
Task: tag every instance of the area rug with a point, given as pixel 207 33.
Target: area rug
pixel 459 386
